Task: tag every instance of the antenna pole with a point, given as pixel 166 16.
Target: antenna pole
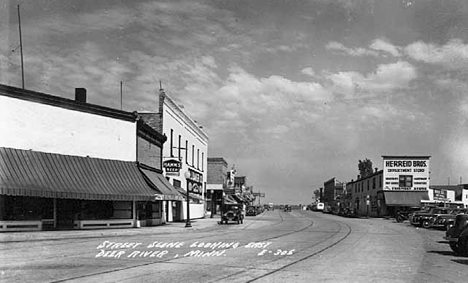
pixel 121 95
pixel 21 47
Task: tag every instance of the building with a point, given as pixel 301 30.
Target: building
pixel 448 195
pixel 403 182
pixel 217 178
pixel 185 156
pixel 68 164
pixel 332 192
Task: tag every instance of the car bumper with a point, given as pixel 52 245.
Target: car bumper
pixel 450 239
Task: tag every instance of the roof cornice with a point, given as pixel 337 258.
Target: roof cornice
pixel 47 99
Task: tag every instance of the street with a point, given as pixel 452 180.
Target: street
pixel 276 246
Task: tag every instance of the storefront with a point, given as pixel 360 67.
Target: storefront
pixel 51 191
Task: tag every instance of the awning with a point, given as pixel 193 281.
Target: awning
pixel 228 199
pixel 405 198
pixel 39 174
pixel 239 199
pixel 191 195
pixel 168 191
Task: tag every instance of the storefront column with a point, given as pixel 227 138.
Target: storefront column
pixel 55 212
pixel 134 214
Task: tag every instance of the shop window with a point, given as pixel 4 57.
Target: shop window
pixel 405 181
pixel 27 208
pixel 122 210
pixel 95 209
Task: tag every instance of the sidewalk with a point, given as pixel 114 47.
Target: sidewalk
pixel 206 223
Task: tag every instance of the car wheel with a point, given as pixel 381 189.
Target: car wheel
pixel 454 247
pixel 399 219
pixel 463 248
pixel 426 224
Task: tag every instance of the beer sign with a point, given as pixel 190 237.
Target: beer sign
pixel 172 166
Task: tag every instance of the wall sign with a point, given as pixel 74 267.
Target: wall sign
pixel 406 173
pixel 172 166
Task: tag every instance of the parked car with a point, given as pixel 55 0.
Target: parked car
pixel 287 207
pixel 446 221
pixel 259 209
pixel 327 209
pixel 403 215
pixel 232 212
pixel 423 219
pixel 458 235
pixel 350 212
pixel 251 211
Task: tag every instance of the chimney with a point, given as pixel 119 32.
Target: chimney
pixel 376 169
pixel 80 95
pixel 358 177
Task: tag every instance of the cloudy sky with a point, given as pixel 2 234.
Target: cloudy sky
pixel 293 92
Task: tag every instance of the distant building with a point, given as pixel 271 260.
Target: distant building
pixel 216 182
pixel 404 182
pixel 332 192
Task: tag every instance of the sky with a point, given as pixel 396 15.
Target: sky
pixel 291 93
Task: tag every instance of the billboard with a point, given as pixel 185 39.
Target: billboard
pixel 406 173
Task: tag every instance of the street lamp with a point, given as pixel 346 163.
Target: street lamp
pixel 187 222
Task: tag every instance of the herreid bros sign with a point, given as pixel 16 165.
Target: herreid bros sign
pixel 406 173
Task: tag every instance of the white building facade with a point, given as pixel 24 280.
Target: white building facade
pixel 185 157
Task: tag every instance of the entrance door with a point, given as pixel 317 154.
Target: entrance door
pixel 66 211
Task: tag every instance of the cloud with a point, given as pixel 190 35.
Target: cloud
pixel 454 54
pixel 336 46
pixel 308 71
pixel 382 45
pixel 386 78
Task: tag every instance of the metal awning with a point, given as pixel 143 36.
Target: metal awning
pixel 39 174
pixel 228 199
pixel 191 195
pixel 405 198
pixel 168 191
pixel 239 199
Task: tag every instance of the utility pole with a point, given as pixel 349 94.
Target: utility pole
pixel 21 47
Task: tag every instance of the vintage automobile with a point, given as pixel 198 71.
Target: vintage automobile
pixel 350 212
pixel 446 221
pixel 423 219
pixel 251 211
pixel 232 212
pixel 457 235
pixel 404 214
pixel 287 207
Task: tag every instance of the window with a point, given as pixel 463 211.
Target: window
pixel 368 186
pixel 373 183
pixel 193 155
pixel 198 158
pixel 180 138
pixel 177 183
pixel 380 181
pixel 405 181
pixel 171 143
pixel 186 151
pixel 202 160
